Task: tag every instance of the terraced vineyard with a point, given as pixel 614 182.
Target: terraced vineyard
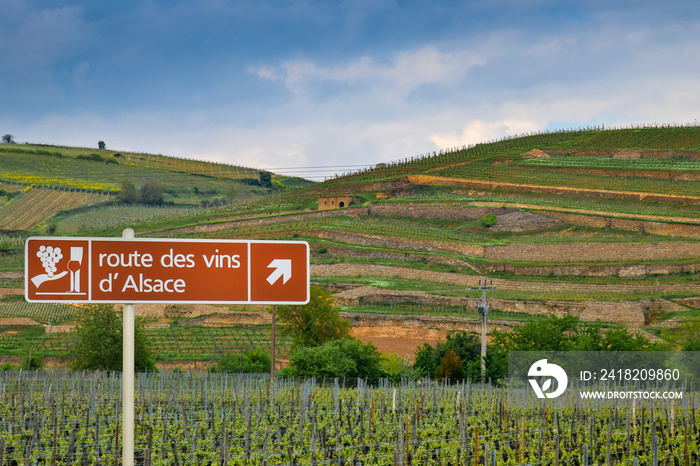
pixel 609 232
pixel 37 204
pixel 46 313
pixel 118 216
pixel 210 343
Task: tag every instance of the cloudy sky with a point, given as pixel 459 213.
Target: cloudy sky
pixel 329 83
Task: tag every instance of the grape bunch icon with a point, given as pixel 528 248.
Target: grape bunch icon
pixel 49 256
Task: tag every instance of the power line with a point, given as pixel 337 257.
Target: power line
pixel 322 166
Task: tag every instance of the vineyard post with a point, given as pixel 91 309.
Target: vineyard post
pixel 128 379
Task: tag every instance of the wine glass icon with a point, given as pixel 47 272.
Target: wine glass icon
pixel 76 259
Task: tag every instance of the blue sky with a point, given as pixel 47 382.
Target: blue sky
pixel 323 83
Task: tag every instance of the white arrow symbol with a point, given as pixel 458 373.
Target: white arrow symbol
pixel 283 268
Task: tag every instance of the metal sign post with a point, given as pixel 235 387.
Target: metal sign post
pixel 128 385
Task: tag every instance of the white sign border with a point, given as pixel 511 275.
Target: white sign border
pixel 168 240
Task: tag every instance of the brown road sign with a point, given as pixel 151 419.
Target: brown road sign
pixel 137 270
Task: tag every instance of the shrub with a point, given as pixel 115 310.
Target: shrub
pixel 98 341
pixel 31 360
pixel 692 345
pixel 152 192
pixel 250 362
pixel 92 157
pixel 450 367
pixel 314 323
pixel 338 358
pixel 465 346
pixel 397 367
pixel 488 220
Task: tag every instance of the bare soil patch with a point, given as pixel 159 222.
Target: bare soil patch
pixel 401 340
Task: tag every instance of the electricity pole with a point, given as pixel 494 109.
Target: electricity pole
pixel 483 309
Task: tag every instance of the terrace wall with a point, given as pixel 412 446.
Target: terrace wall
pixel 563 253
pixel 434 211
pixel 505 186
pixel 633 313
pixel 364 239
pixel 625 271
pixel 656 228
pixel 645 153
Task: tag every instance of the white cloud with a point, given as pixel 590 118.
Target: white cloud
pixel 404 73
pixel 369 108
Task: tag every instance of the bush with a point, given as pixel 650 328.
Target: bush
pixel 250 362
pixel 692 345
pixel 338 358
pixel 397 367
pixel 152 192
pixel 450 367
pixel 314 323
pixel 99 341
pixel 95 158
pixel 458 357
pixel 488 221
pixel 30 360
pixel 127 191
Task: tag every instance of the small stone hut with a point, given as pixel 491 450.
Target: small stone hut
pixel 334 201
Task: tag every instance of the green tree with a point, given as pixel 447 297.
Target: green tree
pixel 692 345
pixel 101 145
pixel 8 138
pixel 236 192
pixel 265 179
pixel 691 328
pixel 30 359
pixel 250 362
pixel 314 323
pixel 467 348
pixel 397 367
pixel 127 192
pixel 551 334
pixel 450 367
pixel 561 334
pixel 567 334
pixel 338 358
pixel 98 341
pixel 152 192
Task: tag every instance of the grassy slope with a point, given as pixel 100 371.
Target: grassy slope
pixel 187 183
